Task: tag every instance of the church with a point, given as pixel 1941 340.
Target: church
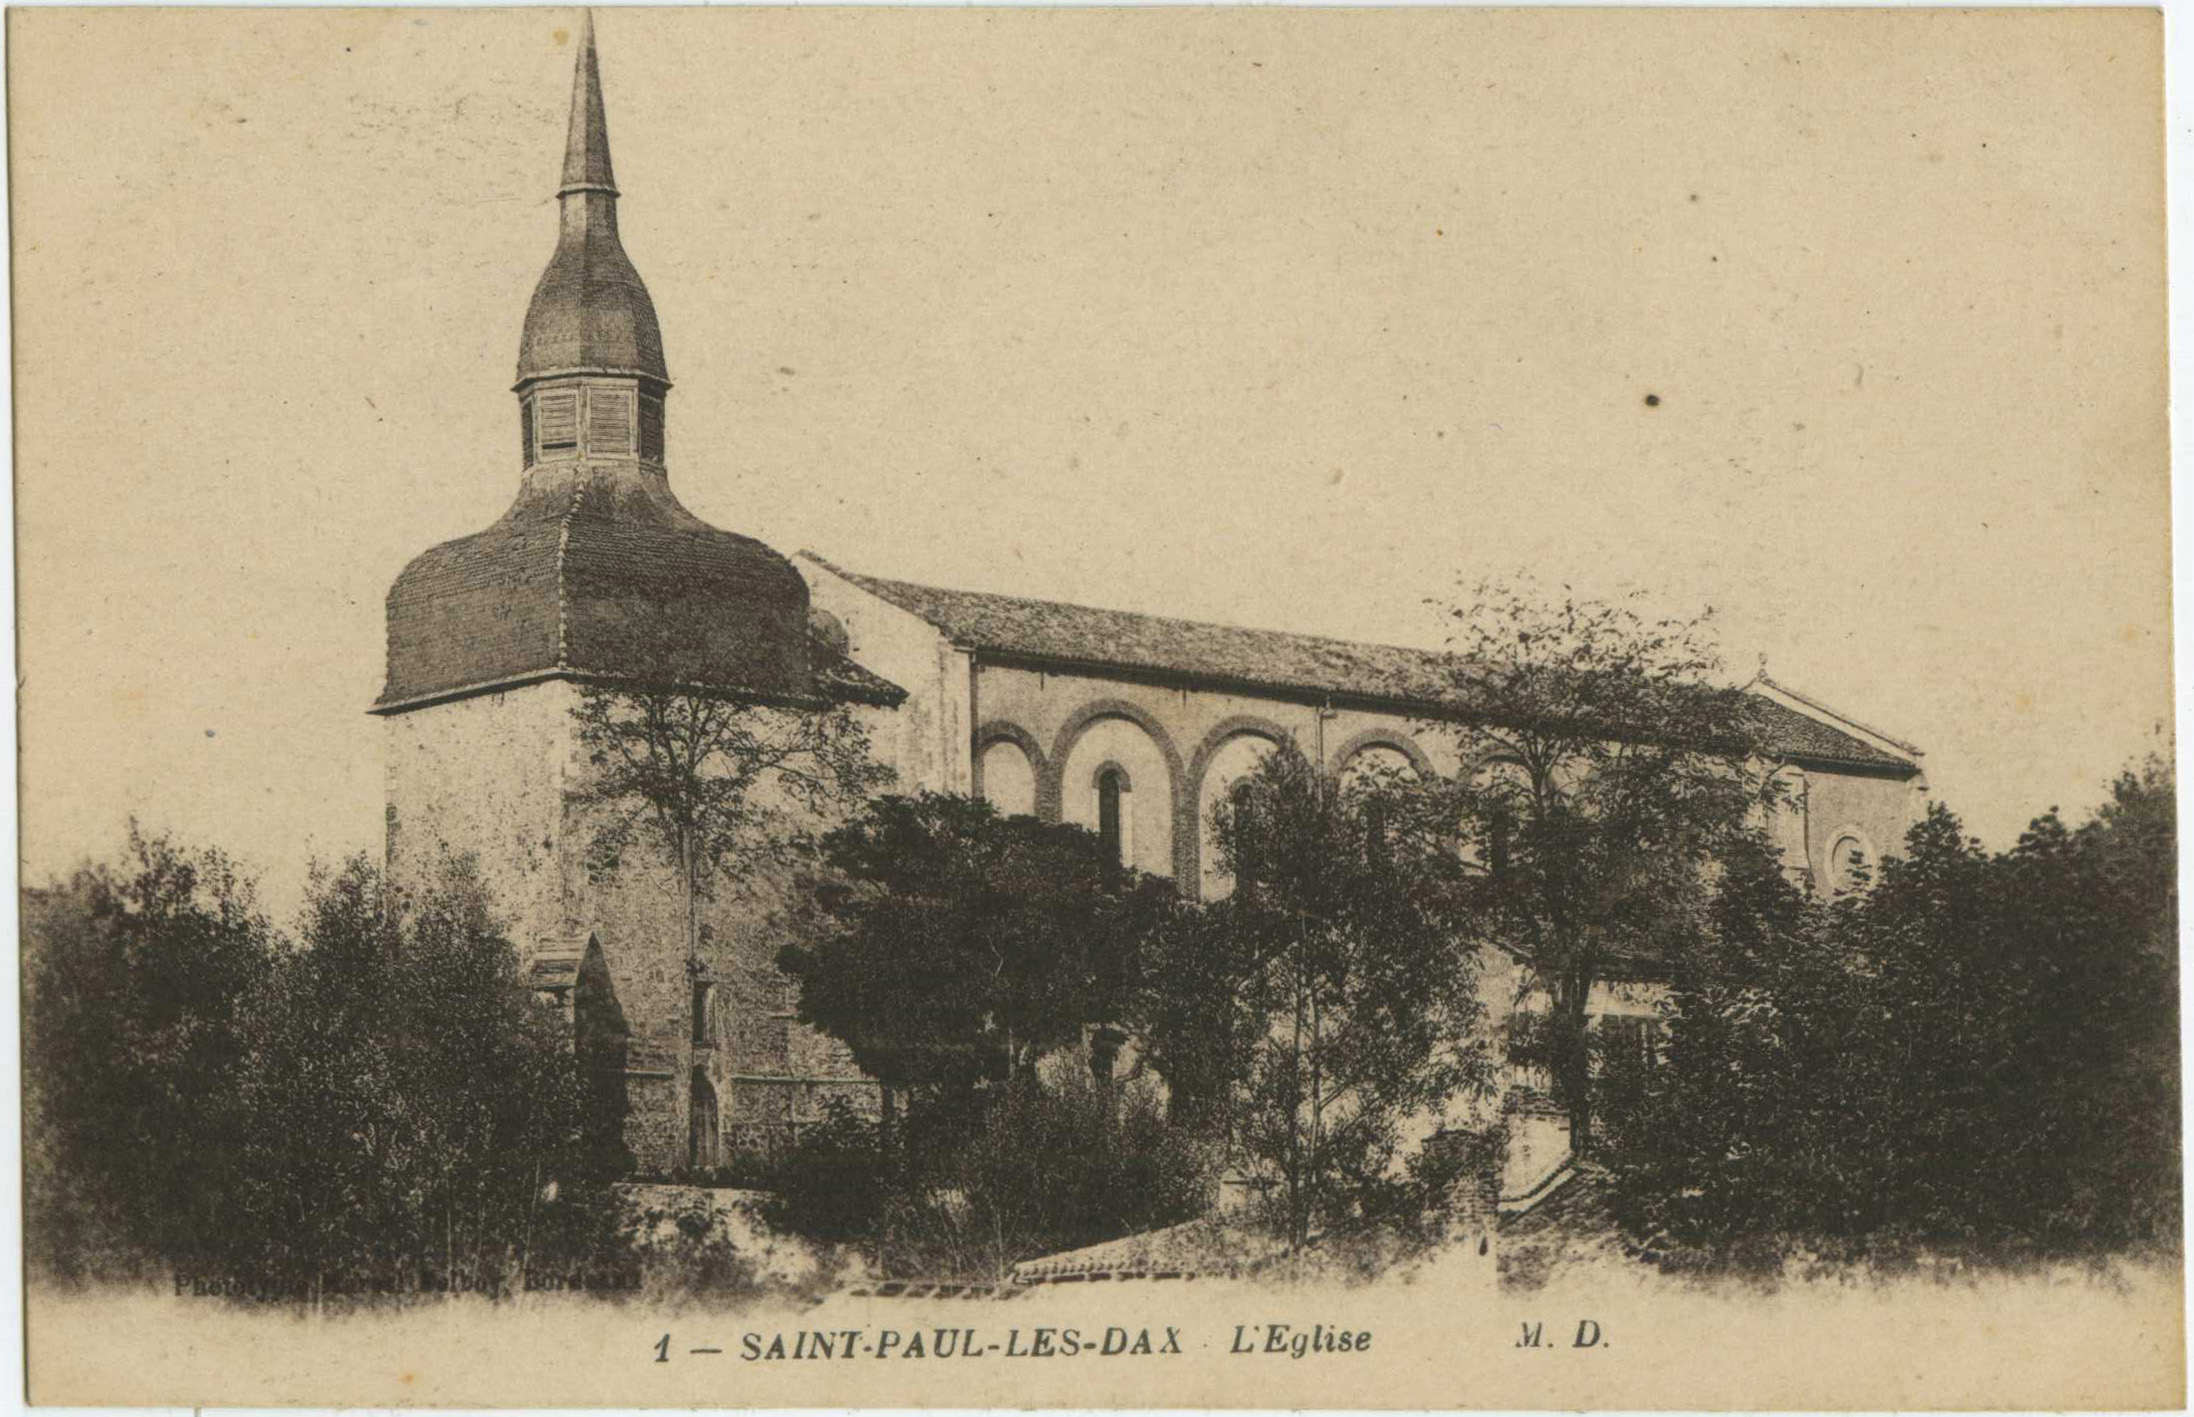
pixel 1130 724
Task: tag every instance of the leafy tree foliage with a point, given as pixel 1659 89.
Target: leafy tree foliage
pixel 137 986
pixel 1187 1017
pixel 1352 996
pixel 1607 773
pixel 1979 1052
pixel 410 1099
pixel 953 944
pixel 376 1103
pixel 708 781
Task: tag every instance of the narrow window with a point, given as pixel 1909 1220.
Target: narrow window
pixel 1498 832
pixel 1246 844
pixel 703 1134
pixel 525 430
pixel 651 428
pixel 704 1011
pixel 1109 835
pixel 1375 832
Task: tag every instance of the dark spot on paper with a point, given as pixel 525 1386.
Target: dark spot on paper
pixel 1653 400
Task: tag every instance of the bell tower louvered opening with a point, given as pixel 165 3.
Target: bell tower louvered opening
pixel 556 415
pixel 590 418
pixel 609 422
pixel 651 427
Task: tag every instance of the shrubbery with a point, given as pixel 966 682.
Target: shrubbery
pixel 973 1181
pixel 375 1105
pixel 1979 1054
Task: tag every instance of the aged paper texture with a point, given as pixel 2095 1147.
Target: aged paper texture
pixel 1155 708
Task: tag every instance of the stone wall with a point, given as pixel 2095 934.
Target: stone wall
pixel 495 776
pixel 1175 744
pixel 1878 810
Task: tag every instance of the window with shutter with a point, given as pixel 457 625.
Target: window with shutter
pixel 609 422
pixel 651 428
pixel 558 416
pixel 525 430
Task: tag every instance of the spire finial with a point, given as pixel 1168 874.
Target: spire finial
pixel 586 146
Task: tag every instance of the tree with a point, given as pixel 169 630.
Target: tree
pixel 1185 1014
pixel 1976 1052
pixel 411 1099
pixel 373 1101
pixel 138 985
pixel 704 780
pixel 1605 773
pixel 1355 1000
pixel 2035 1059
pixel 1761 1115
pixel 952 944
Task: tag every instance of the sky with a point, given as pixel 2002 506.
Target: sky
pixel 1293 319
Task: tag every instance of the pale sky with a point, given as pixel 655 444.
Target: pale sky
pixel 1280 318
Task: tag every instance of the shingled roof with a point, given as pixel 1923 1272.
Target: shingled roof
pixel 1395 677
pixel 599 574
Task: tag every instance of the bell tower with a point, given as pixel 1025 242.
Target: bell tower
pixel 598 578
pixel 591 377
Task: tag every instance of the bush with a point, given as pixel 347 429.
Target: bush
pixel 974 1181
pixel 376 1106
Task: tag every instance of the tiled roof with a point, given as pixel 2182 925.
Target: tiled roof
pixel 1413 680
pixel 599 573
pixel 1807 739
pixel 1206 1247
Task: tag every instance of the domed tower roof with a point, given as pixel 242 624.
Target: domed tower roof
pixel 597 573
pixel 590 312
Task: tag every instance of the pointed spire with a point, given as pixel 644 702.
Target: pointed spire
pixel 586 146
pixel 591 312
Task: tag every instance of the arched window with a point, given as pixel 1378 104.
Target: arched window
pixel 1374 774
pixel 1502 789
pixel 1228 765
pixel 1112 791
pixel 1009 779
pixel 1786 815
